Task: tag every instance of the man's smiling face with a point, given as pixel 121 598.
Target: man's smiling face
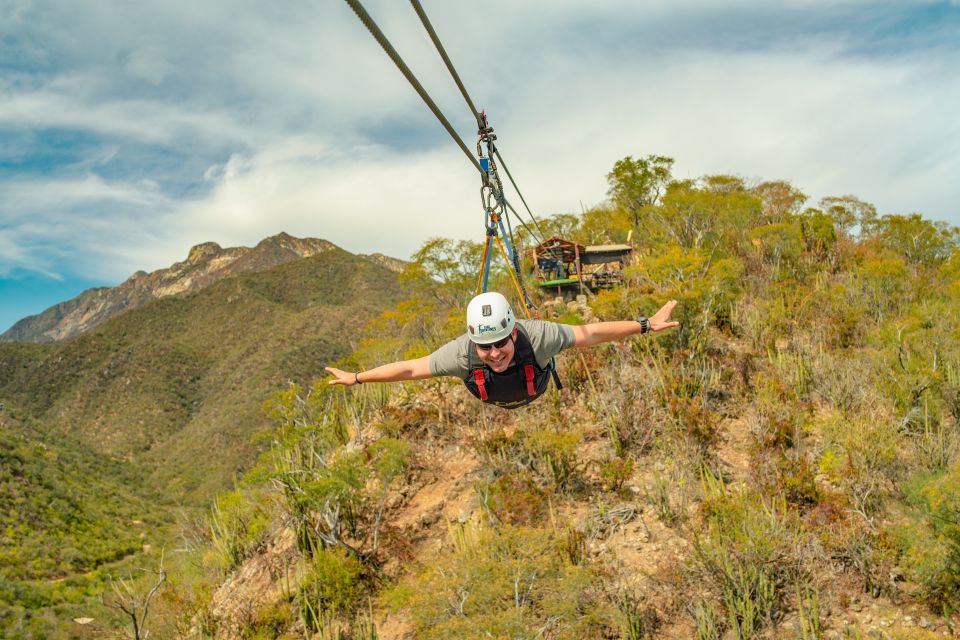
pixel 498 358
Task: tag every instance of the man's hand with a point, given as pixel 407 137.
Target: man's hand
pixel 661 319
pixel 341 377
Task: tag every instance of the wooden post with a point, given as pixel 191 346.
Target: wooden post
pixel 576 259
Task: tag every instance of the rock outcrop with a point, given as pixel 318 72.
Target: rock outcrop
pixel 205 264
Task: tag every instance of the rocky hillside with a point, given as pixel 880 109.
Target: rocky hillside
pixel 206 264
pixel 163 383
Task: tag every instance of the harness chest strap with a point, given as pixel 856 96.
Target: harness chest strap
pixel 481 383
pixel 529 372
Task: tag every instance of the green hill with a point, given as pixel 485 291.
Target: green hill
pixel 65 508
pixel 783 464
pixel 101 436
pixel 175 387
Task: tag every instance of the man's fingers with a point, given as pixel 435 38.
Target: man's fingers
pixel 664 314
pixel 666 325
pixel 338 375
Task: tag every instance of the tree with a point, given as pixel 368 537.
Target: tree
pixel 134 600
pixel 919 241
pixel 635 184
pixel 780 199
pixel 724 184
pixel 451 263
pixel 564 225
pixel 709 213
pixel 446 271
pixel 819 230
pixel 603 225
pixel 849 211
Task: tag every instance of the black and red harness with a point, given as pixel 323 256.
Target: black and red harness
pixel 523 382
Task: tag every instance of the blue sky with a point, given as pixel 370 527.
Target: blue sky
pixel 131 131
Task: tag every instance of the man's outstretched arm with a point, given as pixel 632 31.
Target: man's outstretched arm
pixel 587 335
pixel 393 372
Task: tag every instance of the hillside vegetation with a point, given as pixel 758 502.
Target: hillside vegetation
pixel 167 384
pixel 104 440
pixel 783 466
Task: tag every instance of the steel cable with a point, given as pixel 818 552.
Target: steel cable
pixel 517 189
pixel 401 65
pixel 388 48
pixel 418 8
pixel 446 59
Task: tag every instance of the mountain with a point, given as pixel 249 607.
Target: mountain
pixel 385 261
pixel 111 441
pixel 206 264
pixel 175 386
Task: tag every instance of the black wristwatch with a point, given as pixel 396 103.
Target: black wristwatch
pixel 644 324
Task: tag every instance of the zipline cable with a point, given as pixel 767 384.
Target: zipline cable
pixel 446 59
pixel 517 189
pixel 418 8
pixel 401 65
pixel 388 48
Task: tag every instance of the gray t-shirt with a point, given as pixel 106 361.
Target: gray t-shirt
pixel 547 338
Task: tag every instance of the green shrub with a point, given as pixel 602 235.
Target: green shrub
pixel 332 491
pixel 514 498
pixel 747 553
pixel 555 451
pixel 861 455
pixel 271 622
pixel 685 386
pixel 332 584
pixel 238 522
pixel 886 281
pixel 638 621
pixel 669 510
pixel 788 474
pixel 611 304
pixel 615 472
pixel 511 583
pixel 570 317
pixel 819 232
pixel 550 452
pixel 707 620
pixel 622 399
pixel 780 244
pixel 808 610
pixel 931 542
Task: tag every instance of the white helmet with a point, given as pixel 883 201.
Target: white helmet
pixel 489 318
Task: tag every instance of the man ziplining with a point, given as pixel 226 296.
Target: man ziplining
pixel 504 361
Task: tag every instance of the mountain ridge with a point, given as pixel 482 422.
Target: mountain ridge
pixel 200 365
pixel 206 263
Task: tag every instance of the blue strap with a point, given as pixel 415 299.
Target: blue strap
pixel 486 266
pixel 506 241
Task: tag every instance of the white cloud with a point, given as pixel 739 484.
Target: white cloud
pixel 17 256
pixel 297 121
pixel 72 103
pixel 149 64
pixel 47 197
